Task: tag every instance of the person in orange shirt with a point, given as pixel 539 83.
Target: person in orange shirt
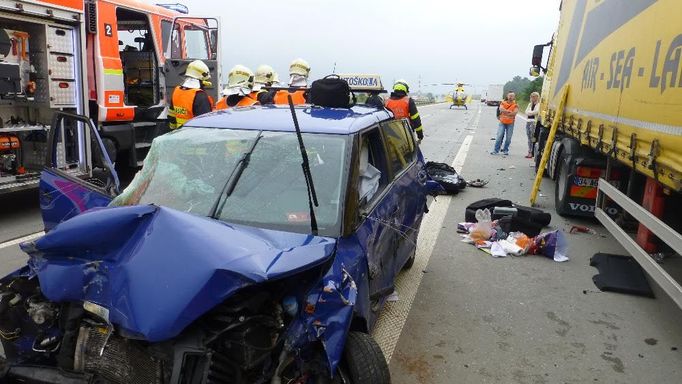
pixel 508 111
pixel 238 91
pixel 298 78
pixel 403 106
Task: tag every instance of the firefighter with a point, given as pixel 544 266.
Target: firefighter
pixel 298 78
pixel 403 106
pixel 265 77
pixel 190 99
pixel 238 90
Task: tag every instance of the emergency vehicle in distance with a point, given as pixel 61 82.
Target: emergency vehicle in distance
pixel 115 61
pixel 619 131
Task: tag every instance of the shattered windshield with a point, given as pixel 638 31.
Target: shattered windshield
pixel 187 169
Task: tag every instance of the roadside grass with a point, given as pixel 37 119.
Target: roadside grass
pixel 522 105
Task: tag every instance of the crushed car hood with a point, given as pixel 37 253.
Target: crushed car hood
pixel 157 269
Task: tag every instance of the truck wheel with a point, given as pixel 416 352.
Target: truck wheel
pixel 561 190
pixel 110 146
pixel 363 361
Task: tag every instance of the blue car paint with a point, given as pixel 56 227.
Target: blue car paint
pixel 157 270
pixel 278 118
pixel 112 265
pixel 62 198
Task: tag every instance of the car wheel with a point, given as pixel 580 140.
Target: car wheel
pixel 561 189
pixel 363 361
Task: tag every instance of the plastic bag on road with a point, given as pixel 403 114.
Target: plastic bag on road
pixel 552 245
pixel 483 229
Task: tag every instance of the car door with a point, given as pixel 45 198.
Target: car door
pixel 189 39
pixel 78 174
pixel 376 209
pixel 407 191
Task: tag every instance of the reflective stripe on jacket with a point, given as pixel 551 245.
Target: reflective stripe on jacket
pixel 182 106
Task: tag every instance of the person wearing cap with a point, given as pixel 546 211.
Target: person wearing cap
pixel 189 99
pixel 404 106
pixel 298 78
pixel 239 87
pixel 265 77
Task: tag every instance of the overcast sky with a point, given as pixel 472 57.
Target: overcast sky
pixel 476 41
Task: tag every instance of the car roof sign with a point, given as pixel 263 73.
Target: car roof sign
pixel 362 82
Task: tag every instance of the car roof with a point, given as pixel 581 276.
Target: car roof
pixel 311 119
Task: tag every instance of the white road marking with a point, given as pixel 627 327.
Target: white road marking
pixel 21 239
pixel 394 315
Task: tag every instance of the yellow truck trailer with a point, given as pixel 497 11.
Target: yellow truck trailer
pixel 618 149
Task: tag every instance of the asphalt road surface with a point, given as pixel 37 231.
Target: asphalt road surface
pixel 465 317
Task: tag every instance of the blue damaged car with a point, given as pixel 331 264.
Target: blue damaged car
pixel 256 245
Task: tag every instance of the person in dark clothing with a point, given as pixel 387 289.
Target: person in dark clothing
pixel 404 106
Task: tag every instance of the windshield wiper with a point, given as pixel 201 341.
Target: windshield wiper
pixel 231 182
pixel 312 196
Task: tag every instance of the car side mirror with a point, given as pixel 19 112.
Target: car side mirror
pixel 433 188
pixel 534 71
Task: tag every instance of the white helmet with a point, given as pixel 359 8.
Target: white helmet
pixel 239 81
pixel 265 76
pixel 198 70
pixel 299 67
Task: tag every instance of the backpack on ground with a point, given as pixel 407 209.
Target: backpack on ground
pixel 446 176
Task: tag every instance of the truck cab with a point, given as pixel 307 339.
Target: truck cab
pixel 115 62
pixel 137 55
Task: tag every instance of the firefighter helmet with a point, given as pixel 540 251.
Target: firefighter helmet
pixel 299 67
pixel 401 86
pixel 265 75
pixel 198 70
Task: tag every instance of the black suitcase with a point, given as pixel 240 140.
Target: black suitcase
pixel 470 214
pixel 535 215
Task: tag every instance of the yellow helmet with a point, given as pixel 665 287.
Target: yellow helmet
pixel 265 75
pixel 240 76
pixel 401 85
pixel 198 70
pixel 299 67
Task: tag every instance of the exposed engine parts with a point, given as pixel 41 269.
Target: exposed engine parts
pixel 240 341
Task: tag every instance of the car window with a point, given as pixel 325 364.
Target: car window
pixel 373 175
pixel 187 169
pixel 400 148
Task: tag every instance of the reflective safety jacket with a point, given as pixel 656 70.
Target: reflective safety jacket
pixel 507 106
pixel 403 106
pixel 298 97
pixel 244 101
pixel 187 103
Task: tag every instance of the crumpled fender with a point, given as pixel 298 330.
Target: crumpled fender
pixel 157 269
pixel 331 306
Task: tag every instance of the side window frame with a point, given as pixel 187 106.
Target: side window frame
pixel 409 139
pixel 378 160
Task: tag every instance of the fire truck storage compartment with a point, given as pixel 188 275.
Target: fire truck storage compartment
pixel 38 75
pixel 137 50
